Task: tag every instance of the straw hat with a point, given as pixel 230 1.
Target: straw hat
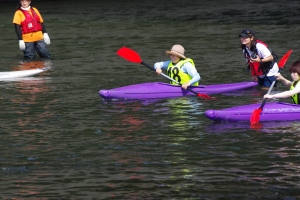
pixel 177 50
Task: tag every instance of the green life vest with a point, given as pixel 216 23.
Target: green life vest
pixel 295 97
pixel 176 73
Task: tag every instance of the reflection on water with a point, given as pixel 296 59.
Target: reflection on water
pixel 181 112
pixel 60 140
pixel 264 127
pixel 24 96
pixel 27 102
pixel 32 64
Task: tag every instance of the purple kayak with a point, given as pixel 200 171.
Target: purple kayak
pixel 156 90
pixel 274 111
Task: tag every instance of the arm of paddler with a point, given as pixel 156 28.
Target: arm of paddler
pixel 285 94
pixel 285 82
pixel 18 31
pixel 158 66
pixel 192 71
pixel 45 34
pixel 19 35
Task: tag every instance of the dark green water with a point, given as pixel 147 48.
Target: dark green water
pixel 60 140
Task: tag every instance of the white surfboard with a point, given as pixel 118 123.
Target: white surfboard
pixel 20 74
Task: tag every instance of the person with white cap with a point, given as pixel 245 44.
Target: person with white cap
pixel 31 31
pixel 179 68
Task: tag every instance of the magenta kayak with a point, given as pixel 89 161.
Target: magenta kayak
pixel 273 111
pixel 155 90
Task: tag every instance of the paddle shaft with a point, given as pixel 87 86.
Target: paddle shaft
pixel 269 91
pixel 132 56
pixel 168 77
pixel 280 65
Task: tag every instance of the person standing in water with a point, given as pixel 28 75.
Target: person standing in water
pixel 261 61
pixel 31 31
pixel 179 68
pixel 293 85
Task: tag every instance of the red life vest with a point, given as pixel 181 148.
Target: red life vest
pixel 255 70
pixel 31 23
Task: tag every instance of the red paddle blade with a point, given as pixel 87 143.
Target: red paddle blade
pixel 284 58
pixel 204 96
pixel 256 126
pixel 255 116
pixel 129 54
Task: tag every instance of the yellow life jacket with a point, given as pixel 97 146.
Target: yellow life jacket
pixel 176 73
pixel 295 97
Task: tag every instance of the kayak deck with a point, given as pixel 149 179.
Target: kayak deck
pixel 156 90
pixel 274 111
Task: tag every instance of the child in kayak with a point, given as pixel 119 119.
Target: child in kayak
pixel 179 68
pixel 31 31
pixel 294 86
pixel 261 61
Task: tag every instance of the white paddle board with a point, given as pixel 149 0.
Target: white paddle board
pixel 20 74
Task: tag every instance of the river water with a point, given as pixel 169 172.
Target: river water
pixel 60 140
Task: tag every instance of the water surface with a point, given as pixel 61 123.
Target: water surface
pixel 60 140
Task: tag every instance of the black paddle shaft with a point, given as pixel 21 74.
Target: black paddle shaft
pixel 269 91
pixel 166 76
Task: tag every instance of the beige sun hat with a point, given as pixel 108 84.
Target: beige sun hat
pixel 177 50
